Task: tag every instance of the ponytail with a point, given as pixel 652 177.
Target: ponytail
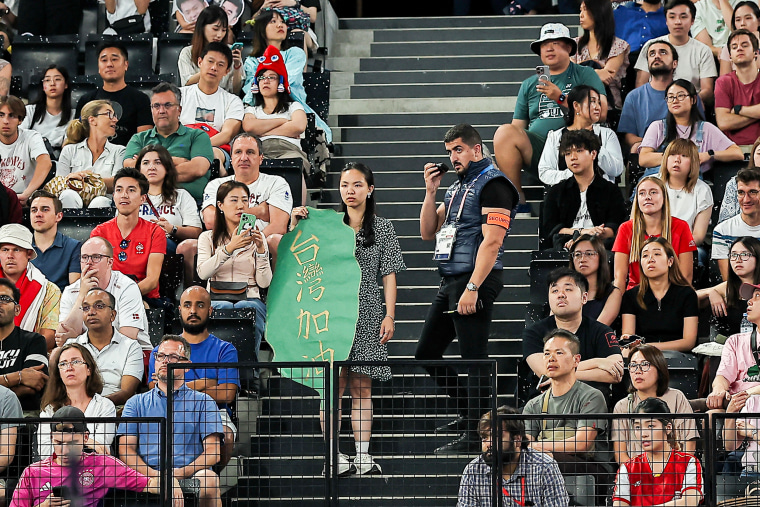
pixel 77 131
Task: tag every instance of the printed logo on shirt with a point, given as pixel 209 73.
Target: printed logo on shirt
pixel 287 195
pixel 548 108
pixel 140 248
pixel 86 478
pixel 753 374
pixel 8 358
pixel 637 484
pixel 135 316
pixel 612 340
pixel 9 169
pixel 204 115
pixel 46 487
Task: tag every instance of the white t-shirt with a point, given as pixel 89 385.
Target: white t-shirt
pixel 47 127
pixel 188 68
pixel 18 160
pixel 582 218
pixel 102 433
pixel 78 157
pixel 272 189
pixel 695 61
pixel 130 311
pixel 710 18
pixel 727 232
pixel 214 109
pixel 258 112
pixel 184 212
pixel 124 9
pixel 687 205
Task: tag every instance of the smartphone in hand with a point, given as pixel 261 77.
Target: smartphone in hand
pixel 247 223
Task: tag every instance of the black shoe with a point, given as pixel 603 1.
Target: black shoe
pixel 466 444
pixel 457 425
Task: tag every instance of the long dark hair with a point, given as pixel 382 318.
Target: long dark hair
pixel 367 230
pixel 604 27
pixel 208 16
pixel 283 98
pixel 55 393
pixel 752 5
pixel 694 115
pixel 603 277
pixel 169 185
pixel 219 233
pixel 261 20
pixel 734 282
pixel 578 95
pixel 40 105
pixel 674 271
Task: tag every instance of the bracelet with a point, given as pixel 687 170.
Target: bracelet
pixel 225 250
pixel 7 382
pixel 391 316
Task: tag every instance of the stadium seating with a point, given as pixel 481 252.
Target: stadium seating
pixel 32 55
pixel 139 47
pixel 169 47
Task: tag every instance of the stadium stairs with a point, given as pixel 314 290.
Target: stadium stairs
pixel 397 86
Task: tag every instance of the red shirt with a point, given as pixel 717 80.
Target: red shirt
pixel 637 485
pixel 145 239
pixel 681 239
pixel 730 92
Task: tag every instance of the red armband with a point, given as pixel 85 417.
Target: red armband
pixel 498 218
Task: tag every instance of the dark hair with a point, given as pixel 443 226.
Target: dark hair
pixel 261 20
pixel 675 277
pixel 579 139
pixel 167 87
pixel 218 47
pixel 16 292
pixel 111 298
pixel 752 5
pixel 672 4
pixel 694 115
pixel 558 274
pixel 368 229
pixel 739 32
pixel 748 175
pixel 169 185
pixel 604 27
pixel 57 204
pixel 603 276
pixel 578 95
pixel 40 105
pixel 466 132
pixel 656 359
pixel 179 339
pixel 673 50
pixel 513 425
pixel 112 44
pixel 219 232
pixel 248 135
pixel 15 104
pixel 575 343
pixel 55 393
pixel 734 282
pixel 135 174
pixel 658 406
pixel 208 16
pixel 283 98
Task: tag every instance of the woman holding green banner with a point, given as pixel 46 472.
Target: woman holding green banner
pixel 378 253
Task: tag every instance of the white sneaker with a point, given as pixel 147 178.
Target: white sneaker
pixel 366 465
pixel 345 467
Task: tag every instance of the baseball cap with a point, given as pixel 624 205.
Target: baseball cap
pixel 70 420
pixel 747 290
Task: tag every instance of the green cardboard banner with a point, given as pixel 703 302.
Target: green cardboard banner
pixel 313 301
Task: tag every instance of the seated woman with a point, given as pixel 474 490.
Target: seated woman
pixel 729 206
pixel 746 15
pixel 662 474
pixel 75 380
pixel 686 122
pixel 737 431
pixel 589 257
pixel 690 198
pixel 649 378
pixel 650 217
pixel 598 44
pixel 583 113
pixel 88 151
pixel 727 306
pixel 663 308
pixel 51 112
pixel 226 256
pixel 585 203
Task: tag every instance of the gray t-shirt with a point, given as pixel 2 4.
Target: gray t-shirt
pixel 580 399
pixel 10 408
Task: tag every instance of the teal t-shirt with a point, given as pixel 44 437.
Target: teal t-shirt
pixel 543 114
pixel 184 143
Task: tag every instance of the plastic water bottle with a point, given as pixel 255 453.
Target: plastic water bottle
pixel 746 325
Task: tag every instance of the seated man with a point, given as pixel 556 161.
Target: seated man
pixel 585 203
pixel 541 106
pixel 637 22
pixel 190 148
pixel 525 473
pixel 40 480
pixel 207 104
pixel 57 255
pixel 119 359
pixel 195 447
pixel 24 363
pixel 219 383
pixel 10 408
pixel 39 296
pixel 603 363
pixel 141 244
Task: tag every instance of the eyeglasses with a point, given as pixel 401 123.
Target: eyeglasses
pixel 267 78
pixel 56 80
pixel 680 97
pixel 111 115
pixel 744 256
pixel 62 365
pixel 170 358
pixel 95 258
pixel 752 193
pixel 123 245
pixel 643 366
pixel 165 105
pixel 97 306
pixel 7 299
pixel 579 255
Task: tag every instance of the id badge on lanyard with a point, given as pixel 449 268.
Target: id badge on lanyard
pixel 444 242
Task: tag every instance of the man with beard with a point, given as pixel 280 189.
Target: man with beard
pixel 738 93
pixel 219 383
pixel 196 441
pixel 528 477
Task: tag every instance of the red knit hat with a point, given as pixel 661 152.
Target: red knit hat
pixel 272 60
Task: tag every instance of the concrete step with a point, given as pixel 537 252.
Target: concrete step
pixel 430 277
pixel 442 76
pixel 400 149
pixel 529 33
pixel 411 330
pixel 444 91
pixel 420 119
pixel 502 309
pixel 519 60
pixel 422 105
pixel 465 47
pixel 424 258
pixel 411 133
pixel 456 22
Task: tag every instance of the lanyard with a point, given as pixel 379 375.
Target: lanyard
pixel 467 189
pixel 522 493
pixel 153 208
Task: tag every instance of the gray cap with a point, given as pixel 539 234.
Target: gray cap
pixel 70 420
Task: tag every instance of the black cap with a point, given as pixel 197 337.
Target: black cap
pixel 71 420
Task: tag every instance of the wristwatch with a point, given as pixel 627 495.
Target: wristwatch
pixel 561 99
pixel 174 230
pixel 754 433
pixel 737 109
pixel 711 153
pixel 472 287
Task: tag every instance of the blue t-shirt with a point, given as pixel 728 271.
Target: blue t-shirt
pixel 195 417
pixel 636 27
pixel 643 106
pixel 59 260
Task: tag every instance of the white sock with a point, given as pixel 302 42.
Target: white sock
pixel 362 447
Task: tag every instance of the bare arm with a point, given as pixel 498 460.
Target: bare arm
pixel 705 39
pixel 431 218
pixel 578 443
pixel 621 270
pixel 7 447
pixel 536 363
pixel 193 169
pixel 700 226
pixel 730 154
pixel 728 120
pixel 633 141
pixel 142 6
pixel 706 88
pixel 611 308
pixel 208 458
pixel 621 451
pixel 73 277
pixel 607 74
pixel 259 127
pixel 292 128
pixel 723 267
pixel 629 324
pixel 230 128
pixel 41 171
pixel 129 455
pixel 686 265
pixel 152 274
pixel 607 370
pixel 128 388
pixel 278 221
pixel 649 158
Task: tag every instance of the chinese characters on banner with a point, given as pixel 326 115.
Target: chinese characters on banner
pixel 313 301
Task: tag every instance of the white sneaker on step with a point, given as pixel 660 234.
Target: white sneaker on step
pixel 345 467
pixel 366 465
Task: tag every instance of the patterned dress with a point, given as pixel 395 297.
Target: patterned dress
pixel 619 47
pixel 376 261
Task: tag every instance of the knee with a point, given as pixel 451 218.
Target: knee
pixel 273 241
pixel 188 248
pixel 70 199
pixel 506 134
pixel 209 482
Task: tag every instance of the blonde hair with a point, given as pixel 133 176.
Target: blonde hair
pixel 685 148
pixel 79 129
pixel 639 229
